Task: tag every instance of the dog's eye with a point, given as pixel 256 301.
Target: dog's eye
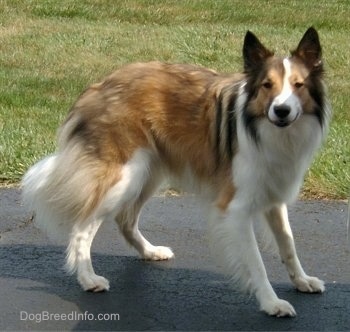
pixel 267 85
pixel 298 85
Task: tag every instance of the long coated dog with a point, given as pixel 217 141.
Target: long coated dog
pixel 242 141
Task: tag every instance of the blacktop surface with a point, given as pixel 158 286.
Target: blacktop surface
pixel 187 293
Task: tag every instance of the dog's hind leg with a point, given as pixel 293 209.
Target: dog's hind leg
pixel 277 219
pixel 128 223
pixel 79 257
pixel 127 194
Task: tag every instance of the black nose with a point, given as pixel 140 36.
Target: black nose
pixel 282 111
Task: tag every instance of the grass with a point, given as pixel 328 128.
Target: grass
pixel 51 50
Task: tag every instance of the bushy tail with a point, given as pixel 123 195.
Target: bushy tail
pixel 65 189
pixel 36 195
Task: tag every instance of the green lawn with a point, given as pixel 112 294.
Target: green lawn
pixel 51 50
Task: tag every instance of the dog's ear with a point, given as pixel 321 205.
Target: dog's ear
pixel 254 52
pixel 309 50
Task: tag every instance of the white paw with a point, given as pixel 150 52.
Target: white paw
pixel 278 308
pixel 309 284
pixel 93 283
pixel 158 254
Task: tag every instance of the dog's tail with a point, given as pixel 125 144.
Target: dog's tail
pixel 66 188
pixel 35 186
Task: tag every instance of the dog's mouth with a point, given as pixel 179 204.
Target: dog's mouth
pixel 282 123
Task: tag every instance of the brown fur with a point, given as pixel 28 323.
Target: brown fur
pixel 169 109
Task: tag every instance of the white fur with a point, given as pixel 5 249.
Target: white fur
pixel 122 199
pixel 272 171
pixel 266 176
pixel 34 186
pixel 284 238
pixel 123 196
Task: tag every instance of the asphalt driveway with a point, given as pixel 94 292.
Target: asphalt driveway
pixel 187 293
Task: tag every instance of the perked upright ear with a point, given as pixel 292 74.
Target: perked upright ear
pixel 254 52
pixel 309 50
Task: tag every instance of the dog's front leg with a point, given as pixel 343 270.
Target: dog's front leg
pixel 234 245
pixel 277 219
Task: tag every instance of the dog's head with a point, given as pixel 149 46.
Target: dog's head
pixel 283 89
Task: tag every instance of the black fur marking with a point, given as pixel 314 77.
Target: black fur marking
pixel 79 130
pixel 317 94
pixel 218 127
pixel 231 131
pixel 226 126
pixel 250 123
pixel 249 120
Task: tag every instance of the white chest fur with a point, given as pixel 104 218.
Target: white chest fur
pixel 271 170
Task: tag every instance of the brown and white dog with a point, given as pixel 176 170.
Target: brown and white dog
pixel 242 141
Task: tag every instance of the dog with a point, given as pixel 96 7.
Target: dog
pixel 242 141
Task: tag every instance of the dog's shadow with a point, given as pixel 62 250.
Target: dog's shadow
pixel 152 296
